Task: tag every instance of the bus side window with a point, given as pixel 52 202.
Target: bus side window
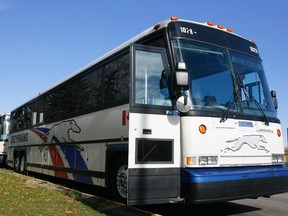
pixel 28 114
pixel 116 79
pixel 34 118
pixel 41 117
pixel 40 111
pixel 17 120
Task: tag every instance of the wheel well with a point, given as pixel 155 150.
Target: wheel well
pixel 113 153
pixel 19 152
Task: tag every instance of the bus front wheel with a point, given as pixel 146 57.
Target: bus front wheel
pixel 119 181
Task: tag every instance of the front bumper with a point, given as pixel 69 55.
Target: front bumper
pixel 206 185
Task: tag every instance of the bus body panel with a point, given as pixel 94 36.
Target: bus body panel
pixel 73 149
pixel 244 152
pixel 234 142
pixel 154 159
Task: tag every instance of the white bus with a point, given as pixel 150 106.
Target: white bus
pixel 4 132
pixel 180 113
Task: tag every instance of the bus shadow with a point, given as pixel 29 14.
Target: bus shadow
pixel 223 208
pixel 96 198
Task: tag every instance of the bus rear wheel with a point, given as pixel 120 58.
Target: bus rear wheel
pixel 119 182
pixel 16 162
pixel 19 165
pixel 22 164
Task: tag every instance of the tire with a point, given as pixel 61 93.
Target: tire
pixel 119 180
pixel 22 164
pixel 16 162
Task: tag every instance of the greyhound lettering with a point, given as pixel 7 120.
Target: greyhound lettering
pixel 254 141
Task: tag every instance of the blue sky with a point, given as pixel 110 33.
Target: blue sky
pixel 44 41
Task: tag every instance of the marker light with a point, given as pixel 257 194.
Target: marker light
pixel 157 26
pixel 279 133
pixel 220 26
pixel 210 23
pixel 202 129
pixel 252 41
pixel 174 18
pixel 229 30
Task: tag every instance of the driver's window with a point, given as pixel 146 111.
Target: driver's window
pixel 150 79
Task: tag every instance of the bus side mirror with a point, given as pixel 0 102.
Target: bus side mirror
pixel 182 80
pixel 274 99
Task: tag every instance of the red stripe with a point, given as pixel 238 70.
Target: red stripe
pixel 124 117
pixel 41 135
pixel 57 161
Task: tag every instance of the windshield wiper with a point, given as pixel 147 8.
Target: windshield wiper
pixel 266 121
pixel 248 95
pixel 229 108
pixel 236 100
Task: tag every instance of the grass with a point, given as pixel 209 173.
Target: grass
pixel 20 196
pixel 26 196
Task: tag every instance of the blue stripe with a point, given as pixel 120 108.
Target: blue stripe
pixel 75 161
pixel 43 130
pixel 203 175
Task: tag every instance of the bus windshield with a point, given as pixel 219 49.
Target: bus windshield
pixel 222 80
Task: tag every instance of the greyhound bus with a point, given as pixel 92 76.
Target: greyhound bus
pixel 182 112
pixel 4 130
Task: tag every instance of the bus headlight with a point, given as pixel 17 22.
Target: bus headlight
pixel 277 159
pixel 208 160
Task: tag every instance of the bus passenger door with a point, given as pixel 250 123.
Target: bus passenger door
pixel 154 133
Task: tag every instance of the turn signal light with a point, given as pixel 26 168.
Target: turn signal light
pixel 202 129
pixel 190 161
pixel 279 133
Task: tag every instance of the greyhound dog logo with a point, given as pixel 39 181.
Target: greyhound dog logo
pixel 61 132
pixel 254 141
